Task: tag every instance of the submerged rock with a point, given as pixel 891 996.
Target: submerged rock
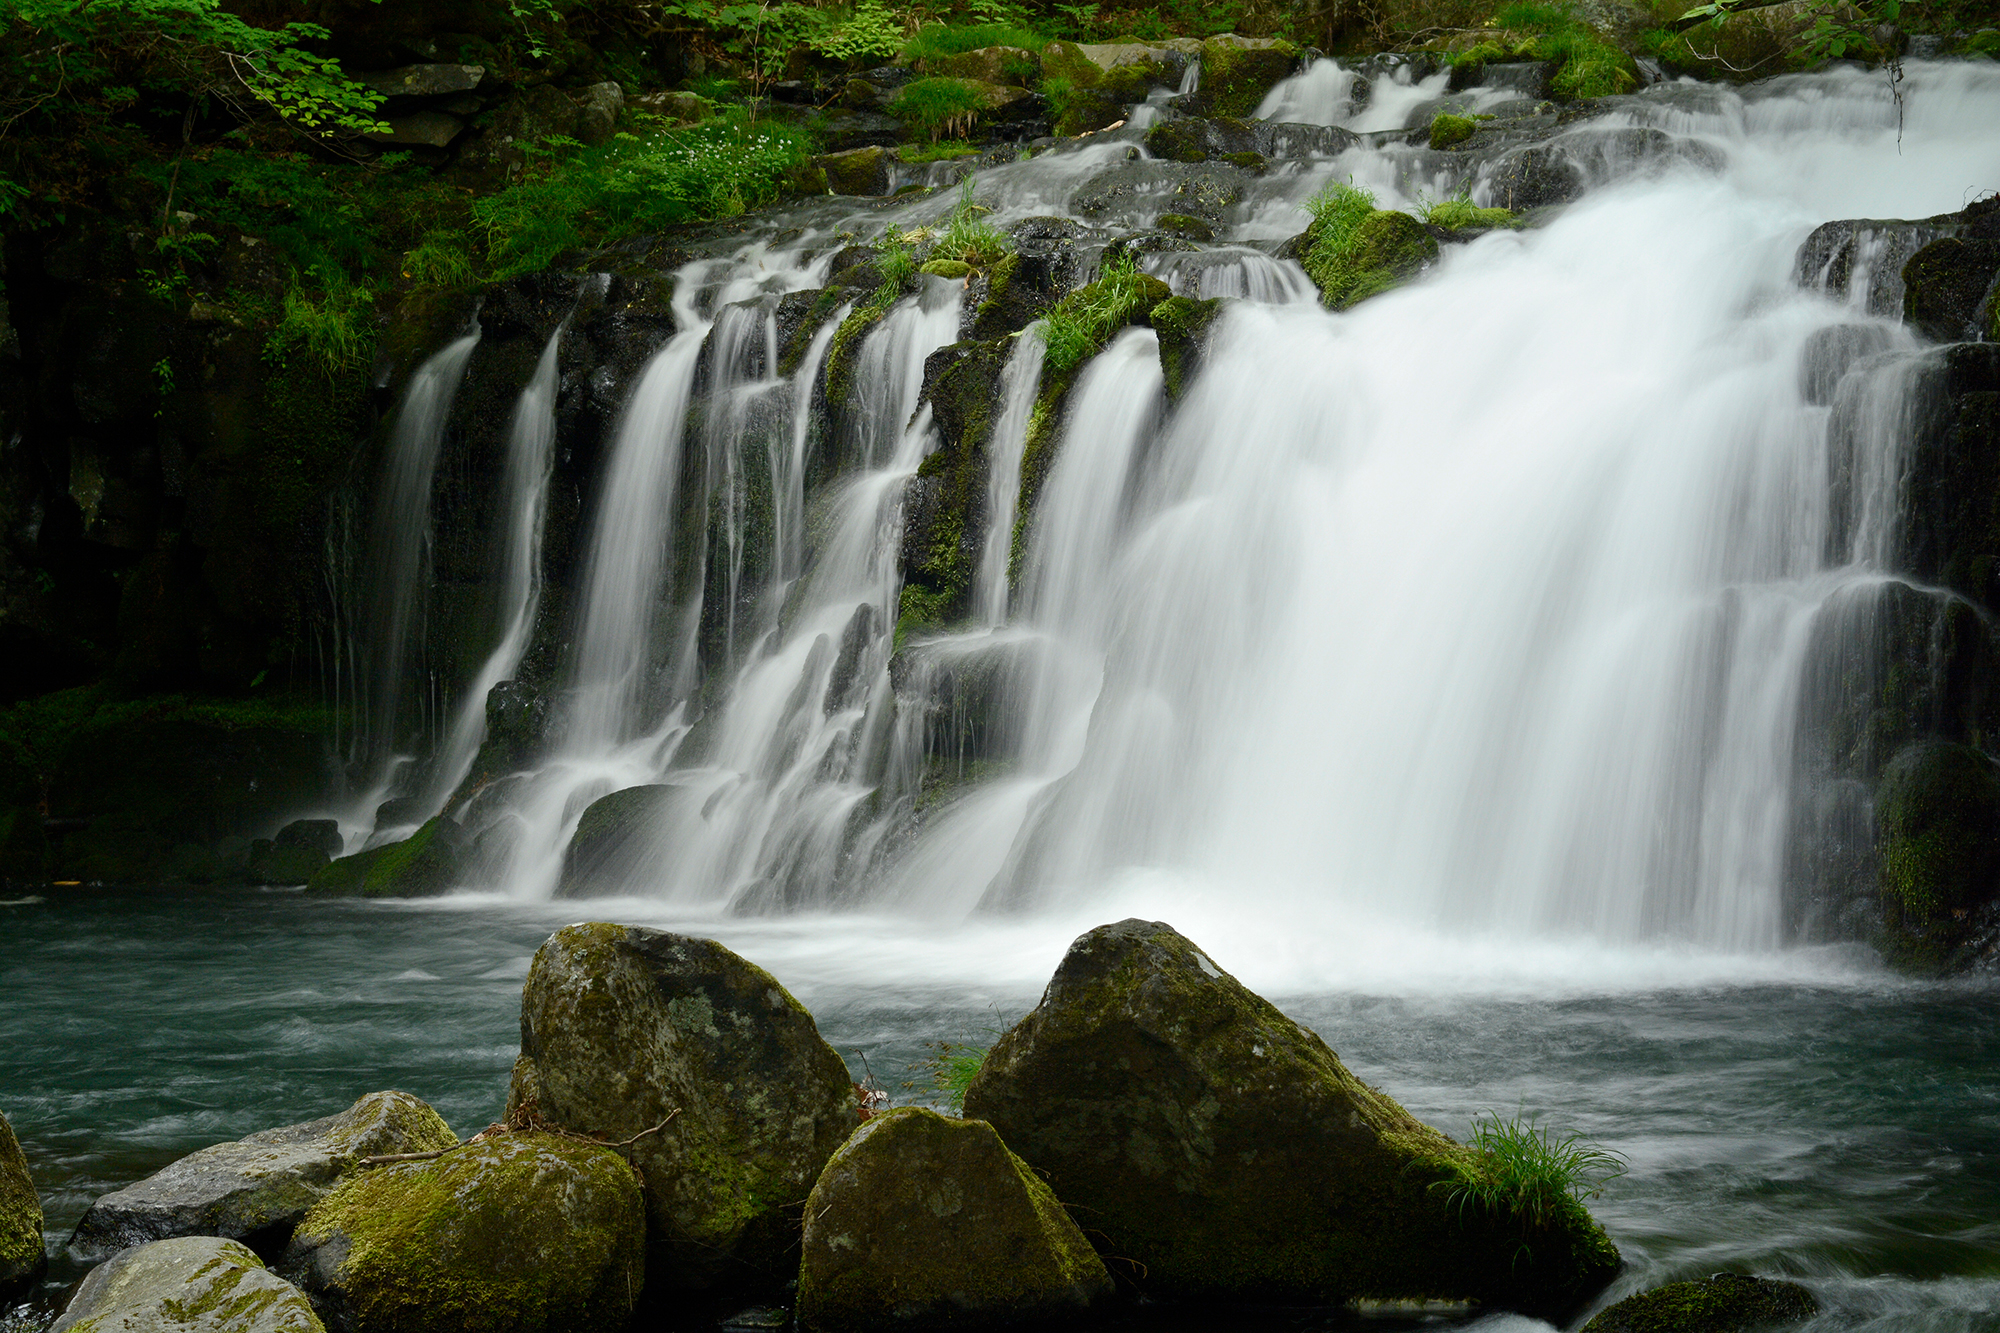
pixel 923 1221
pixel 22 1258
pixel 625 1029
pixel 256 1189
pixel 1224 1152
pixel 1725 1303
pixel 190 1284
pixel 520 1233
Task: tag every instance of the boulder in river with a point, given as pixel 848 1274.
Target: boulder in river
pixel 256 1189
pixel 1224 1152
pixel 628 1031
pixel 1725 1303
pixel 1938 814
pixel 518 1233
pixel 189 1284
pixel 423 865
pixel 925 1222
pixel 22 1256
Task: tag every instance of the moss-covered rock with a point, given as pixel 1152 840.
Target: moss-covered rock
pixel 1089 86
pixel 613 831
pixel 518 1233
pixel 22 1258
pixel 1184 326
pixel 196 1284
pixel 954 269
pixel 1725 1303
pixel 1236 72
pixel 256 1189
pixel 623 1028
pixel 1225 1152
pixel 920 1221
pixel 423 865
pixel 1385 250
pixel 1938 812
pixel 857 171
pixel 1448 131
pixel 1182 224
pixel 988 64
pixel 1949 288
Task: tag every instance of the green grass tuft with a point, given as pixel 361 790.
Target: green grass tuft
pixel 1082 322
pixel 939 39
pixel 1459 213
pixel 939 106
pixel 1589 66
pixel 1530 1173
pixel 968 237
pixel 949 1070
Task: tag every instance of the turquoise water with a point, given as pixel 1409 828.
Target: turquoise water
pixel 1844 1130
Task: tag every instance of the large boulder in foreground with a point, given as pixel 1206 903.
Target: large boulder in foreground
pixel 1226 1153
pixel 256 1189
pixel 1725 1303
pixel 22 1256
pixel 920 1221
pixel 519 1233
pixel 625 1029
pixel 190 1284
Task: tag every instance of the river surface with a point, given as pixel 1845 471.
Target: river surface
pixel 1796 1114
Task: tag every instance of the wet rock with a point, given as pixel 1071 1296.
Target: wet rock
pixel 200 1284
pixel 425 864
pixel 1938 810
pixel 1949 289
pixel 1871 252
pixel 1237 142
pixel 1725 1303
pixel 863 171
pixel 1184 326
pixel 1831 352
pixel 612 833
pixel 624 1028
pixel 22 1258
pixel 519 1232
pixel 1236 72
pixel 256 1189
pixel 1949 529
pixel 1226 1153
pixel 599 107
pixel 1388 248
pixel 920 1221
pixel 312 835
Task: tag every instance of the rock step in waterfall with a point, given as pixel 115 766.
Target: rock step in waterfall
pixel 1523 598
pixel 677 1183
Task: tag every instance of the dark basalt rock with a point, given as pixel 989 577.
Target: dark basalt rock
pixel 1938 808
pixel 1831 352
pixel 612 835
pixel 624 1029
pixel 1949 289
pixel 1223 1152
pixel 22 1259
pixel 1725 1303
pixel 256 1189
pixel 1880 251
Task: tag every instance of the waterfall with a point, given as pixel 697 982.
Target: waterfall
pixel 1486 608
pixel 388 622
pixel 524 484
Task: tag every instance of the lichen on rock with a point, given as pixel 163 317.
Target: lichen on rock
pixel 257 1188
pixel 519 1233
pixel 624 1029
pixel 1225 1152
pixel 922 1221
pixel 22 1257
pixel 189 1284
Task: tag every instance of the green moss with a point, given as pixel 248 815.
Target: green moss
pixel 1183 324
pixel 522 1232
pixel 20 1212
pixel 1178 141
pixel 845 347
pixel 420 866
pixel 1236 74
pixel 1725 1303
pixel 1461 214
pixel 1353 251
pixel 939 106
pixel 1449 131
pixel 944 150
pixel 1587 63
pixel 941 39
pixel 1083 322
pixel 1181 224
pixel 946 268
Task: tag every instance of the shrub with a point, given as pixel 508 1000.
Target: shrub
pixel 336 330
pixel 940 39
pixel 939 106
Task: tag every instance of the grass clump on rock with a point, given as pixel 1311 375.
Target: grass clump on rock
pixel 1587 65
pixel 1529 1173
pixel 1353 250
pixel 1459 213
pixel 939 107
pixel 1083 322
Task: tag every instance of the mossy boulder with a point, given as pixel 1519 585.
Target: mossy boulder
pixel 1388 248
pixel 921 1221
pixel 1088 86
pixel 623 1028
pixel 988 64
pixel 1225 1152
pixel 423 865
pixel 1236 72
pixel 190 1284
pixel 1184 326
pixel 1938 813
pixel 955 269
pixel 256 1189
pixel 518 1233
pixel 1182 224
pixel 22 1256
pixel 1448 131
pixel 609 838
pixel 1725 1303
pixel 863 171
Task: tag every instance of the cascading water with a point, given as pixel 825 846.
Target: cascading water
pixel 388 624
pixel 1481 609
